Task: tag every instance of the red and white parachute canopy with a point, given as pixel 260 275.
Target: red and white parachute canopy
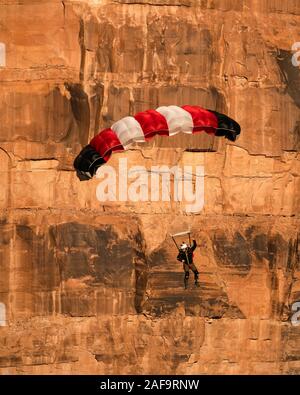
pixel 164 121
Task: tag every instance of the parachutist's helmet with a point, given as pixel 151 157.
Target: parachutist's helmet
pixel 183 246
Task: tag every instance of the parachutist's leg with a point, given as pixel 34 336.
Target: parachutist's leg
pixel 186 279
pixel 196 273
pixel 186 275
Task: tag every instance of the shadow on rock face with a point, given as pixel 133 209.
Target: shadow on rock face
pixel 290 74
pixel 167 294
pixel 81 110
pixel 91 269
pixel 232 252
pixel 237 252
pixel 95 252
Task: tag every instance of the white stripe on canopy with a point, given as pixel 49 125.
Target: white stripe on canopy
pixel 178 119
pixel 128 131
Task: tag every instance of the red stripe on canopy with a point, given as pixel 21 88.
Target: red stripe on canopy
pixel 106 142
pixel 152 123
pixel 204 120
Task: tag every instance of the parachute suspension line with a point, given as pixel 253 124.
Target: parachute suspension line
pixel 190 240
pixel 175 243
pixel 212 144
pixel 187 258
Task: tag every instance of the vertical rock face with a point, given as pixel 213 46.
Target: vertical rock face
pixel 94 287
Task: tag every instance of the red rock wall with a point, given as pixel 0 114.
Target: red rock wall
pixel 92 287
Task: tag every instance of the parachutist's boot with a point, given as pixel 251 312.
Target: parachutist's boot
pixel 197 280
pixel 186 280
pixel 87 162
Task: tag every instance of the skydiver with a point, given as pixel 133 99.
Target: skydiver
pixel 186 255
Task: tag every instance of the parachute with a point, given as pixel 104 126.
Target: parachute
pixel 164 121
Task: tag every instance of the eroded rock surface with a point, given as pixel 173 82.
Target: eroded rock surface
pixel 94 287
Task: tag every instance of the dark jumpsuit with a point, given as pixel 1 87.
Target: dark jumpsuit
pixel 186 257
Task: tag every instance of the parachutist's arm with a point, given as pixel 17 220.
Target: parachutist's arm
pixel 181 257
pixel 194 245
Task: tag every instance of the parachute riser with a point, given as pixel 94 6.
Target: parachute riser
pixel 175 243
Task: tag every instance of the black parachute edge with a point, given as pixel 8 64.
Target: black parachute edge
pixel 87 162
pixel 227 126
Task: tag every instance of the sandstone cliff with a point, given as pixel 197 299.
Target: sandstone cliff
pixel 90 287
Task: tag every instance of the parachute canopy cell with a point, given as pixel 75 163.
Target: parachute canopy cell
pixel 164 121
